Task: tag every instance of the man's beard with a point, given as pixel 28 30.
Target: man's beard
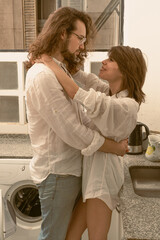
pixel 71 60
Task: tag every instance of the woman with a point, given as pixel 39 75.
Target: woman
pixel 113 108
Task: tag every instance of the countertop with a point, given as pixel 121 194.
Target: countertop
pixel 140 215
pixel 15 146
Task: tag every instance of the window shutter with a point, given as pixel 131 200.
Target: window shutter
pixel 30 22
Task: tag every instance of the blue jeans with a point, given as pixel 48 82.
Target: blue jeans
pixel 57 197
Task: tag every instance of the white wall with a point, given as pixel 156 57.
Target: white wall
pixel 142 30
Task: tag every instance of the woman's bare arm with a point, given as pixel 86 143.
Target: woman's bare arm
pixel 67 83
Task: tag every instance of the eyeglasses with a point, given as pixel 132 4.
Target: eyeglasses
pixel 81 39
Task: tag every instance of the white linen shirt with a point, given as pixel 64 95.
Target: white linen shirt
pixel 115 117
pixel 55 126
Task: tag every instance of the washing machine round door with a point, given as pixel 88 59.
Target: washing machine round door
pixel 24 199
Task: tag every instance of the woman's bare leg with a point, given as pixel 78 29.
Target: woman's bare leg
pixel 98 219
pixel 78 222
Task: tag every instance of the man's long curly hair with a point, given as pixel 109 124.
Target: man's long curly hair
pixel 133 67
pixel 63 19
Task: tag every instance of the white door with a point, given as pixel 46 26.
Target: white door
pixel 1 216
pixel 7 223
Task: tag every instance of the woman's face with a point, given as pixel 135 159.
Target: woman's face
pixel 110 71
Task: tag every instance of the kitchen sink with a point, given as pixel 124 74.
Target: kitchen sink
pixel 146 180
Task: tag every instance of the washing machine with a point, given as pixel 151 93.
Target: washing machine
pixel 20 206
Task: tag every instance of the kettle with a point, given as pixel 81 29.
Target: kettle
pixel 136 139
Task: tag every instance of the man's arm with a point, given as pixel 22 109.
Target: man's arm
pixel 60 113
pixel 111 146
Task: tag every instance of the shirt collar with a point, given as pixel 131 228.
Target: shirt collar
pixel 59 63
pixel 123 93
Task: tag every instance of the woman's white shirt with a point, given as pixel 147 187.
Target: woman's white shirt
pixel 115 117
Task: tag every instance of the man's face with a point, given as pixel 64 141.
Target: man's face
pixel 77 38
pixel 73 46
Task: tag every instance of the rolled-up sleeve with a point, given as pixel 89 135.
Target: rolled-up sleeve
pixel 114 117
pixel 60 113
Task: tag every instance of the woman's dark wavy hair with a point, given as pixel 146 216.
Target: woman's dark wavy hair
pixel 48 40
pixel 133 67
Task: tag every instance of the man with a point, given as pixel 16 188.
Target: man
pixel 58 126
